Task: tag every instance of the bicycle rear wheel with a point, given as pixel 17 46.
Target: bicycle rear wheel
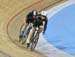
pixel 25 37
pixel 24 40
pixel 21 37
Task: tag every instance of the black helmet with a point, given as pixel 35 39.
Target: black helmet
pixel 34 12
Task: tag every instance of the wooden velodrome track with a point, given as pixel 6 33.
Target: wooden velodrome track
pixel 12 14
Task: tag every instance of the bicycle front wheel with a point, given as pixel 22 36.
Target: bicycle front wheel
pixel 34 41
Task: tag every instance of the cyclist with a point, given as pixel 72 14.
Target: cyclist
pixel 31 16
pixel 41 22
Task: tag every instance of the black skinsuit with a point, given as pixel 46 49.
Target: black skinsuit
pixel 30 18
pixel 37 21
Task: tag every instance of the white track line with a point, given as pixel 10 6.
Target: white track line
pixel 43 46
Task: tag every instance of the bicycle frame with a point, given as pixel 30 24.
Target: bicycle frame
pixel 37 30
pixel 35 39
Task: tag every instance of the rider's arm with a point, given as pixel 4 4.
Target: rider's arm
pixel 45 25
pixel 26 21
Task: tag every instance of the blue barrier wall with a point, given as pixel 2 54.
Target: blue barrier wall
pixel 61 30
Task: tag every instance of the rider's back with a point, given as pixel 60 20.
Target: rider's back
pixel 31 16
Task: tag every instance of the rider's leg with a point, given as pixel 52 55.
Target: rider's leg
pixel 23 29
pixel 25 26
pixel 30 35
pixel 41 28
